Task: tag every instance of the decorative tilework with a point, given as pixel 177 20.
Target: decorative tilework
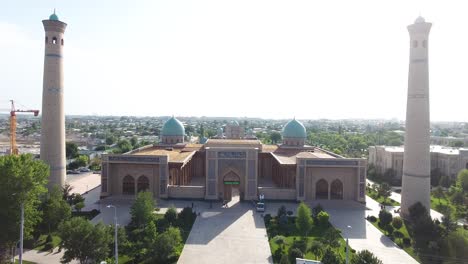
pixel 135 159
pixel 231 155
pixel 333 162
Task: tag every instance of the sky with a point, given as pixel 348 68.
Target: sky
pixel 270 59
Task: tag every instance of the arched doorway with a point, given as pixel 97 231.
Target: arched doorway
pixel 336 190
pixel 128 185
pixel 142 184
pixel 231 185
pixel 321 189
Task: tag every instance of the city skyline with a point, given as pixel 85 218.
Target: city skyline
pixel 263 59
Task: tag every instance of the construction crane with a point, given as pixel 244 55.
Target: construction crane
pixel 13 111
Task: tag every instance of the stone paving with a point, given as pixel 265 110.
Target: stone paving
pixel 227 235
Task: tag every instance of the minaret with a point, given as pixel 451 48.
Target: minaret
pixel 416 164
pixel 53 118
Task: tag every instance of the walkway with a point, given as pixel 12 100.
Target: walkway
pixel 44 257
pixel 349 217
pixel 227 235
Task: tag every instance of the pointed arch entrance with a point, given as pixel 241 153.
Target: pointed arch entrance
pixel 143 183
pixel 321 189
pixel 128 185
pixel 336 190
pixel 231 181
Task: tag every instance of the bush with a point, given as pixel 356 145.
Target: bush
pixel 316 210
pixel 186 218
pixel 49 238
pixel 389 229
pixel 48 246
pixel 171 216
pixel 289 213
pixel 372 218
pixel 323 218
pixel 277 254
pixel 295 253
pixel 397 223
pixel 300 244
pixel 385 218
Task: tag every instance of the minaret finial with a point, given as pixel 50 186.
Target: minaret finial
pixel 54 10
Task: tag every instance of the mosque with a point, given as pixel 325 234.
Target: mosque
pixel 234 163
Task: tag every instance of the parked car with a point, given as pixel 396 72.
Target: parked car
pixel 74 172
pixel 85 170
pixel 260 207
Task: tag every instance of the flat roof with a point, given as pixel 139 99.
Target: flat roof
pixel 288 156
pixel 176 153
pixel 433 148
pixel 213 142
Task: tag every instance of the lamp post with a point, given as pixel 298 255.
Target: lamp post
pixel 347 247
pixel 115 233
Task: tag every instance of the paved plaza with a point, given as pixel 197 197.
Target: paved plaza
pixel 227 235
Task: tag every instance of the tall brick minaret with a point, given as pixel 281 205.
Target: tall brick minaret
pixel 53 117
pixel 417 160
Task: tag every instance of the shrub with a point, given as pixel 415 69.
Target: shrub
pixel 300 244
pixel 289 213
pixel 397 223
pixel 171 215
pixel 385 218
pixel 316 210
pixel 277 254
pixel 284 260
pixel 389 229
pixel 372 218
pixel 186 218
pixel 323 218
pixel 279 239
pixel 295 253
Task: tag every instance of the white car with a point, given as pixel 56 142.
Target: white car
pixel 260 207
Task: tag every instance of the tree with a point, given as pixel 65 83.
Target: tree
pixel 275 137
pixel 385 218
pixel 322 218
pixel 142 209
pixel 449 224
pixel 389 175
pixel 438 193
pixel 110 140
pixel 84 241
pixel 384 190
pixel 71 150
pixel 123 146
pixel 55 209
pixel 462 179
pixel 281 211
pixel 79 206
pixel 166 247
pixel 365 257
pixel 23 180
pixel 67 192
pixel 295 253
pixel 284 259
pixel 330 257
pixel 82 161
pixel 304 219
pixel 134 141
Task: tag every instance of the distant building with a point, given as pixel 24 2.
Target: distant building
pixel 449 160
pixel 234 164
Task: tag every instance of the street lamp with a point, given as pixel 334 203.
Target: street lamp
pixel 347 247
pixel 21 231
pixel 115 233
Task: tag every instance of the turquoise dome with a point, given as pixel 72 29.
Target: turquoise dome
pixel 54 17
pixel 294 129
pixel 173 127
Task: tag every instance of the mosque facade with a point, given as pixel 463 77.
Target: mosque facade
pixel 234 162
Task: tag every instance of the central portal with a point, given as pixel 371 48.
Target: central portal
pixel 231 186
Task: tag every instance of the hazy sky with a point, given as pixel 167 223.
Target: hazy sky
pixel 271 59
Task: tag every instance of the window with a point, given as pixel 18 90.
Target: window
pixel 46 40
pixel 54 40
pixel 61 41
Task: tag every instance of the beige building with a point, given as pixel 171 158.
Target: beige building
pixel 221 168
pixel 449 160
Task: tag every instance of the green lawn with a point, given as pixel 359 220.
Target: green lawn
pixel 41 242
pixel 25 262
pixel 398 241
pixel 442 204
pixel 292 234
pixel 374 195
